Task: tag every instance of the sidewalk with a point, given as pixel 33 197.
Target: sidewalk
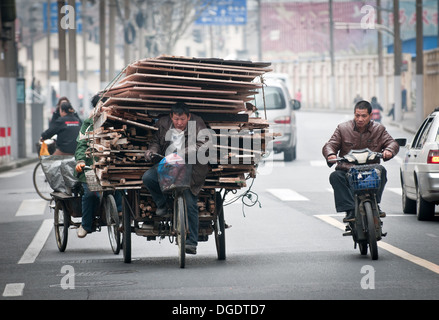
pixel 408 122
pixel 17 163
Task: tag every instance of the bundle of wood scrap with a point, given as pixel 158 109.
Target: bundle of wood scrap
pixel 217 90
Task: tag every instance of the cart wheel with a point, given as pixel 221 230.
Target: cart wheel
pixel 180 226
pixel 112 219
pixel 41 184
pixel 126 225
pixel 219 227
pixel 62 223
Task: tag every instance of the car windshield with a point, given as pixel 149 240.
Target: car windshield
pixel 274 99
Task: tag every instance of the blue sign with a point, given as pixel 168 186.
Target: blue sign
pixel 53 18
pixel 223 12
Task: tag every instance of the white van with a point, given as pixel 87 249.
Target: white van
pixel 280 114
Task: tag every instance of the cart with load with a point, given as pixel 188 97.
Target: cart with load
pixel 219 92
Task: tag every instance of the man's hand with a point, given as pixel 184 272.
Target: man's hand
pixel 387 155
pixel 80 166
pixel 330 161
pixel 148 155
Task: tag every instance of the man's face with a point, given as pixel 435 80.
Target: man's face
pixel 362 118
pixel 180 121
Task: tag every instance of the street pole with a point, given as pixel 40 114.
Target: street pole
pixel 12 114
pixel 62 54
pixel 48 107
pixel 260 31
pixel 102 32
pixel 111 40
pixel 397 48
pixel 126 46
pixel 381 83
pixel 419 64
pixel 73 72
pixel 86 98
pixel 332 93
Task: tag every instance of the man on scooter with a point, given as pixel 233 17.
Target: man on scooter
pixel 359 133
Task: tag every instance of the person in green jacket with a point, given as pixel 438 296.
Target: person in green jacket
pixel 90 199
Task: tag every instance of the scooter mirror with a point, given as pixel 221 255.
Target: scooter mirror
pixel 402 142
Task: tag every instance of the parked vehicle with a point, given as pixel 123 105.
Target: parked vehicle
pixel 420 170
pixel 280 114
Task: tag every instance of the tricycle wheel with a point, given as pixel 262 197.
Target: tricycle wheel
pixel 180 227
pixel 112 219
pixel 219 227
pixel 126 225
pixel 61 224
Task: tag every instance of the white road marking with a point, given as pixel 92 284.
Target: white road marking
pixel 287 195
pixel 392 249
pixel 11 174
pixel 31 207
pixel 398 191
pixel 13 290
pixel 318 163
pixel 40 238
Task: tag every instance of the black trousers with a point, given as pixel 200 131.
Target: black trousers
pixel 344 193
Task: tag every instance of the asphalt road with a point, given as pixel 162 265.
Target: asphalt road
pixel 289 245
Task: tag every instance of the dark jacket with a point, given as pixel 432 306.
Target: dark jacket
pixel 67 129
pixel 346 138
pixel 159 145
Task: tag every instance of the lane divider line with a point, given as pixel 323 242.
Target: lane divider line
pixel 287 195
pixel 40 238
pixel 384 245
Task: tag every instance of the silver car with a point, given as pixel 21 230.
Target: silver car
pixel 280 114
pixel 420 170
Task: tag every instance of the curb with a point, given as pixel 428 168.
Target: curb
pixel 17 164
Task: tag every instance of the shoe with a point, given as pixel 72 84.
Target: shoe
pixel 191 249
pixel 350 216
pixel 382 213
pixel 81 232
pixel 162 212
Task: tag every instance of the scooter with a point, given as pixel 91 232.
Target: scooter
pixel 365 179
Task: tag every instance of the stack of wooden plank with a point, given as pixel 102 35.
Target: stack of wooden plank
pixel 217 90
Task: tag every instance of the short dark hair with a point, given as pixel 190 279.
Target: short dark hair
pixel 363 104
pixel 95 99
pixel 180 108
pixel 66 107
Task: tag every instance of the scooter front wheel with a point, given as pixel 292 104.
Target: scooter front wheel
pixel 371 234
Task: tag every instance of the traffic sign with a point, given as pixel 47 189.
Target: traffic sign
pixel 223 12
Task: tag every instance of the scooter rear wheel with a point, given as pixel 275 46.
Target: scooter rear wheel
pixel 363 248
